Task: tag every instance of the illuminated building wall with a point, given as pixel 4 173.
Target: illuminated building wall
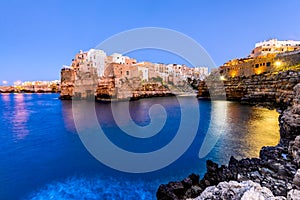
pixel 274 46
pixel 260 64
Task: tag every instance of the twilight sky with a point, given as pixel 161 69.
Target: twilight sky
pixel 38 37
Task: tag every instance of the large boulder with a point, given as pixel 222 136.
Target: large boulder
pixel 232 190
pixel 293 195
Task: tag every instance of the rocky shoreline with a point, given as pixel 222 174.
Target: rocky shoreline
pixel 136 96
pixel 274 175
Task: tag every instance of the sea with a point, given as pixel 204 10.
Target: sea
pixel 42 155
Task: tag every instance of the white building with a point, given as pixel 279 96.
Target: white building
pixel 161 71
pixel 274 46
pixel 277 43
pixel 144 73
pixel 118 58
pixel 200 72
pixel 96 58
pixel 170 69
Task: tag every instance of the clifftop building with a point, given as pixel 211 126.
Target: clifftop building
pixel 267 56
pixel 274 46
pixel 118 75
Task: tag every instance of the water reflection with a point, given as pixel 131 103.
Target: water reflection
pixel 5 97
pixel 236 129
pixel 52 154
pixel 20 117
pixel 68 116
pixel 247 131
pixel 263 130
pixel 217 126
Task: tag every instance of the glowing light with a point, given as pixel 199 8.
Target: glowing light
pixel 278 63
pixel 258 72
pixel 233 74
pixel 222 78
pixel 4 82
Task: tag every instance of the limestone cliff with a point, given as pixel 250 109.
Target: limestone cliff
pixel 67 83
pixel 272 88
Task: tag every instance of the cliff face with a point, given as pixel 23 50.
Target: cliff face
pixel 267 89
pixel 84 83
pixel 67 83
pixel 277 169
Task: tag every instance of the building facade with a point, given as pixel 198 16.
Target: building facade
pixel 119 75
pixel 97 58
pixel 267 56
pixel 274 46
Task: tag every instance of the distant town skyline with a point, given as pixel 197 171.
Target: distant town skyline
pixel 39 37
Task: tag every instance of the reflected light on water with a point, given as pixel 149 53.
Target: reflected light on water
pixel 20 117
pixel 39 143
pixel 219 116
pixel 5 97
pixel 217 127
pixel 68 116
pixel 247 131
pixel 264 125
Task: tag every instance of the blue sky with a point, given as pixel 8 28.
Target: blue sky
pixel 38 37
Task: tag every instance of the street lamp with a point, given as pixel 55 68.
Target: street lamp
pixel 278 63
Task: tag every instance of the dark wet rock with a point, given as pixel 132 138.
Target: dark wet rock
pixel 173 190
pixel 195 178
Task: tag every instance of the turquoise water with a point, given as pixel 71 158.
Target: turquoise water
pixel 42 156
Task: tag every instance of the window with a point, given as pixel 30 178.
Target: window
pixel 268 64
pixel 127 73
pixel 257 65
